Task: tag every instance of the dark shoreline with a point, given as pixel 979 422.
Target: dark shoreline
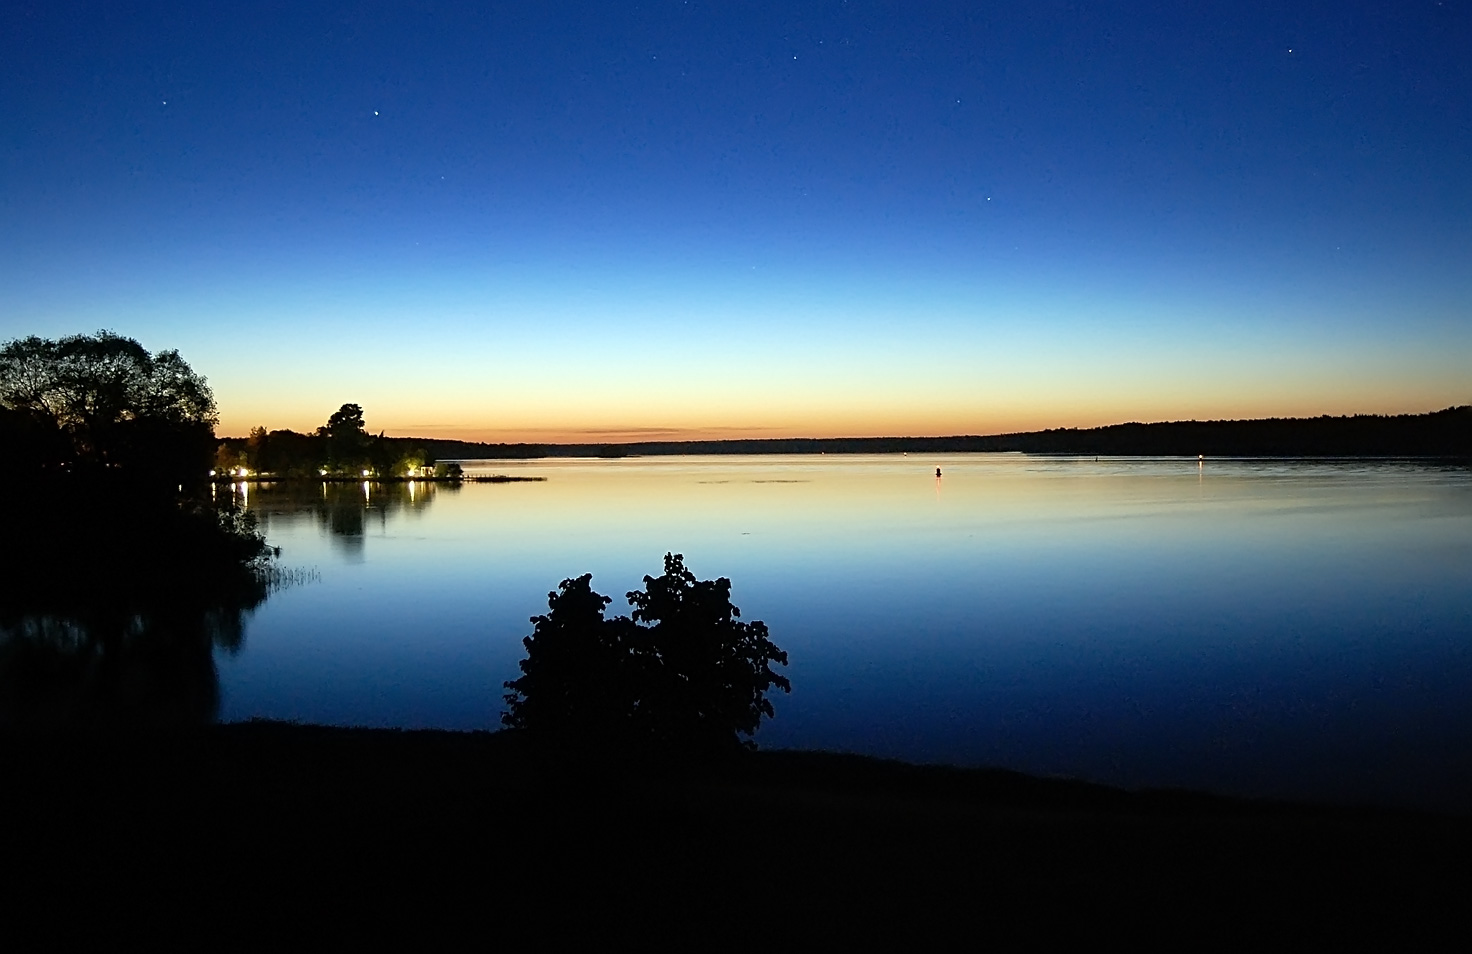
pixel 272 827
pixel 1438 435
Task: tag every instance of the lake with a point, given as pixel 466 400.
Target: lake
pixel 1270 628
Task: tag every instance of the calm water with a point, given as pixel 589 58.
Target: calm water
pixel 1297 629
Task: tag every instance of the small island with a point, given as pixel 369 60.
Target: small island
pixel 340 451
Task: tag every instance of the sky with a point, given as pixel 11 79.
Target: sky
pixel 666 220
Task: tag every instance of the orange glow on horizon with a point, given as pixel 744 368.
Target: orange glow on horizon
pixel 985 394
pixel 818 427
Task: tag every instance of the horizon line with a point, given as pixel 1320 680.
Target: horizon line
pixel 882 437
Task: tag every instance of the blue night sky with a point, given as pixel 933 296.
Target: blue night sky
pixel 548 220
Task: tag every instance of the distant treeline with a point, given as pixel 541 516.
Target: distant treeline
pixel 1445 433
pixel 340 448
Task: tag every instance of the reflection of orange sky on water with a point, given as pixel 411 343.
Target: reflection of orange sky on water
pixel 862 499
pixel 823 512
pixel 772 521
pixel 840 493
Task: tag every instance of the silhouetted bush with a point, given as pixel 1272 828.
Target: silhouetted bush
pixel 683 675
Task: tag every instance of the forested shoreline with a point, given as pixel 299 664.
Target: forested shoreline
pixel 1445 434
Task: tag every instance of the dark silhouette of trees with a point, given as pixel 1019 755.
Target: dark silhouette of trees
pixel 282 453
pixel 340 448
pixel 1445 433
pixel 683 675
pixel 144 661
pixel 713 669
pixel 576 679
pixel 115 597
pixel 346 423
pixel 102 402
pixel 347 439
pixel 120 572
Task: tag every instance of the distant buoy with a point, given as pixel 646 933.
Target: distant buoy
pixel 937 472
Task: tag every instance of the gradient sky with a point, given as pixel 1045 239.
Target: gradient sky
pixel 589 221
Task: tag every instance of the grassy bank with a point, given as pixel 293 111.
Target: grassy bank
pixel 268 831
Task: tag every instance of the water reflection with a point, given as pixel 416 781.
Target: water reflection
pixel 1261 627
pixel 93 667
pixel 117 593
pixel 346 512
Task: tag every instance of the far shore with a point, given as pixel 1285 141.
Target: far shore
pixel 1444 434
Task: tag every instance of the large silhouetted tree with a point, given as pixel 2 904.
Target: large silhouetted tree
pixel 347 438
pixel 120 573
pixel 103 402
pixel 575 684
pixel 708 671
pixel 684 675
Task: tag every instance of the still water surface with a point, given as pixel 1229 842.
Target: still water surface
pixel 1265 628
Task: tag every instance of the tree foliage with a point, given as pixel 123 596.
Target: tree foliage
pixel 123 573
pixel 103 401
pixel 343 447
pixel 683 673
pixel 347 438
pixel 575 679
pixel 112 446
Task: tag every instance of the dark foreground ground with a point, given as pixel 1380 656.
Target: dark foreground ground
pixel 273 835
